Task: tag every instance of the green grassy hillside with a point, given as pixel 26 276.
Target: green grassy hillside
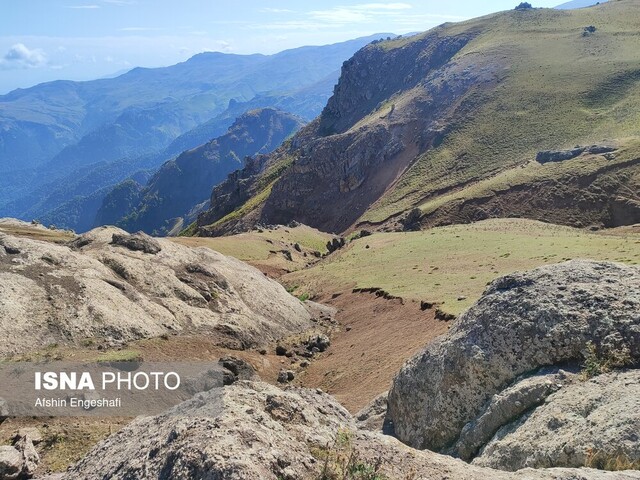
pixel 452 265
pixel 557 88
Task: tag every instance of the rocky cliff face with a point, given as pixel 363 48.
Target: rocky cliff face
pixel 375 74
pixel 472 392
pixel 388 107
pixel 114 287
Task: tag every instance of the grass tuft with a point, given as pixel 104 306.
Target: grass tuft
pixel 340 461
pixel 597 362
pixel 613 462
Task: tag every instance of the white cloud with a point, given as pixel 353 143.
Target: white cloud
pixel 221 46
pixel 19 56
pixel 83 7
pixel 361 13
pixel 340 15
pixel 275 10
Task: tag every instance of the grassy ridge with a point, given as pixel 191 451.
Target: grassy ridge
pixel 535 172
pixel 446 264
pixel 556 88
pixel 258 247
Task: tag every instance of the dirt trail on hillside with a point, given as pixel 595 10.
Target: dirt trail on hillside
pixel 382 334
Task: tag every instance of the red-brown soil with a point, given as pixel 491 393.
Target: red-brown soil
pixel 383 334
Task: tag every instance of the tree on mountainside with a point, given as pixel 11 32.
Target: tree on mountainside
pixel 524 6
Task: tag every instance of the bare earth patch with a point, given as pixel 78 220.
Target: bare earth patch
pixel 376 337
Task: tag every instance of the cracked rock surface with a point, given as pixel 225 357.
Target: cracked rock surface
pixel 465 387
pixel 591 422
pixel 265 433
pixel 121 287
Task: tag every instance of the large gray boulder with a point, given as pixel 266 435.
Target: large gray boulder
pixel 109 285
pixel 262 432
pixel 265 433
pixel 523 322
pixel 594 422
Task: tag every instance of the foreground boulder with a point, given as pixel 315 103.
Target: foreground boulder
pixel 110 285
pixel 470 384
pixel 594 423
pixel 264 433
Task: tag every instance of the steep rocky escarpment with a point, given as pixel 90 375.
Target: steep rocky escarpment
pixel 186 181
pixel 472 393
pixel 389 106
pixel 603 197
pixel 234 194
pixel 374 75
pixel 108 286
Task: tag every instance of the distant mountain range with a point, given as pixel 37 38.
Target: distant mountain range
pixel 170 196
pixel 62 143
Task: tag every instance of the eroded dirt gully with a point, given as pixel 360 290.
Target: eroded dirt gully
pixel 375 336
pixel 371 337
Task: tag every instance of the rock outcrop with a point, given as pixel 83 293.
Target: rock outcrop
pixel 137 242
pixel 117 287
pixel 234 369
pixel 511 403
pixel 464 388
pixel 594 422
pixel 264 433
pixel 547 156
pixel 372 417
pixel 21 460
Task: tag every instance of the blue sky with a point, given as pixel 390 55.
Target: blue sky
pixel 42 40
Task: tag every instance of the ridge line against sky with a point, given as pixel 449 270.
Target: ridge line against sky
pixel 44 40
